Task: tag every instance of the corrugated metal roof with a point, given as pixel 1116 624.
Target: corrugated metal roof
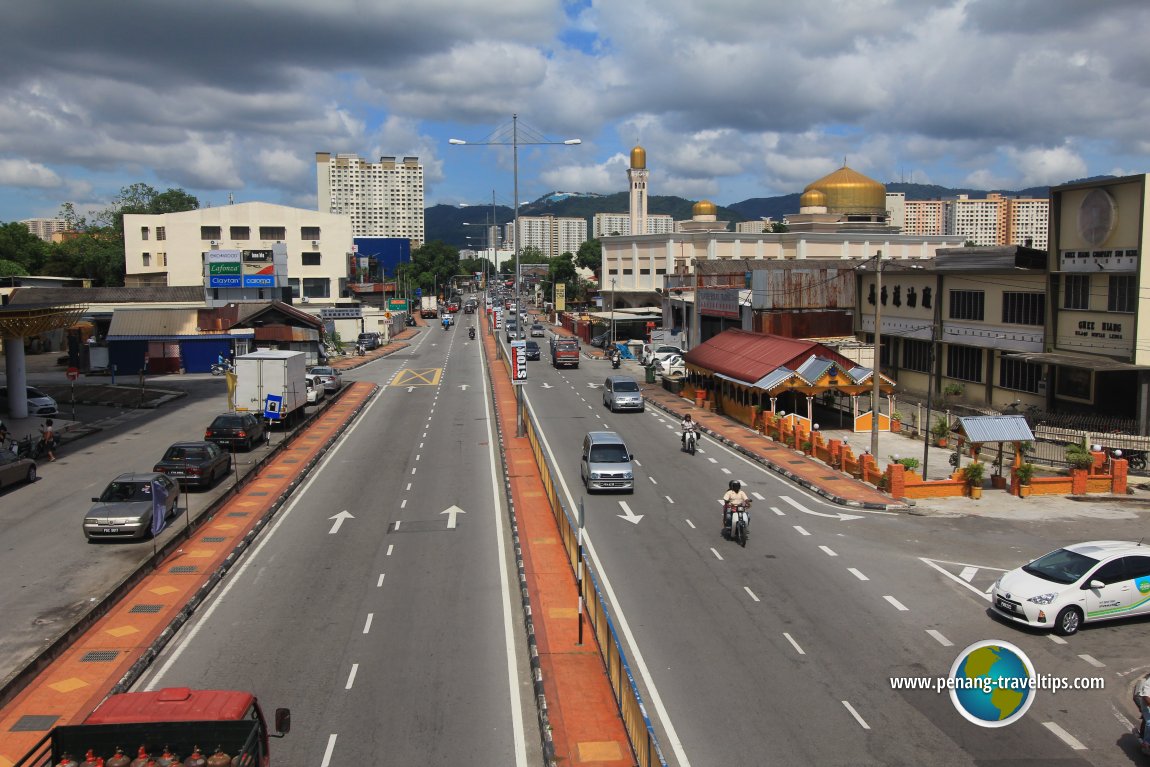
pixel 156 324
pixel 748 357
pixel 774 378
pixel 184 294
pixel 995 428
pixel 813 368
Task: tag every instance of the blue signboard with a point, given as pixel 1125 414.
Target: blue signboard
pixel 224 281
pixel 419 292
pixel 259 280
pixel 273 407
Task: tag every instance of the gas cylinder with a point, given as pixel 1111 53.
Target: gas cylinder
pixel 219 759
pixel 89 759
pixel 141 759
pixel 175 762
pixel 196 759
pixel 119 759
pixel 243 760
pixel 66 760
pixel 165 759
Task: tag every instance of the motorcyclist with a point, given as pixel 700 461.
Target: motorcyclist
pixel 735 497
pixel 688 425
pixel 471 333
pixel 615 357
pixel 446 322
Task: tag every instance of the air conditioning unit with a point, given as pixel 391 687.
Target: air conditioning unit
pixel 315 243
pixel 214 243
pixel 303 300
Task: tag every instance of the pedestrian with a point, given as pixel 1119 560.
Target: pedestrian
pixel 1142 701
pixel 48 436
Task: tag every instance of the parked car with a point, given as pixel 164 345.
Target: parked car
pixel 39 403
pixel 600 339
pixel 369 341
pixel 14 469
pixel 672 366
pixel 658 353
pixel 125 508
pixel 231 430
pixel 532 350
pixel 537 331
pixel 1082 583
pixel 328 376
pixel 315 388
pixel 200 464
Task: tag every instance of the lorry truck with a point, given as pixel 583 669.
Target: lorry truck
pixel 172 721
pixel 565 352
pixel 271 383
pixel 428 307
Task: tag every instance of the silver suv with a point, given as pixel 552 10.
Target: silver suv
pixel 622 393
pixel 605 463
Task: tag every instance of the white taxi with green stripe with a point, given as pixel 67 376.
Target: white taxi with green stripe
pixel 1085 582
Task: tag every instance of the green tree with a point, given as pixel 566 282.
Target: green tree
pixel 19 246
pixel 590 256
pixel 532 255
pixel 433 265
pixel 96 254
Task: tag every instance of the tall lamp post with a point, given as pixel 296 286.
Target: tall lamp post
pixel 499 138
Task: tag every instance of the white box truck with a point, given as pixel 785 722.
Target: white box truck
pixel 428 307
pixel 270 383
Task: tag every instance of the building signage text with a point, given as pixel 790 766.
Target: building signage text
pixel 1092 329
pixel 719 303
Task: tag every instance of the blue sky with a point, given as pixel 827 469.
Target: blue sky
pixel 731 98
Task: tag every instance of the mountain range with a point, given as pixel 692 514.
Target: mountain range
pixel 446 222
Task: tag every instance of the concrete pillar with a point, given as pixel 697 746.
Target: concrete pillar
pixel 16 370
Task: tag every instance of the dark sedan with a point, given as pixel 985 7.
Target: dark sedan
pixel 195 464
pixel 532 350
pixel 236 430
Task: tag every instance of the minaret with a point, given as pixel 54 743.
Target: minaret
pixel 637 175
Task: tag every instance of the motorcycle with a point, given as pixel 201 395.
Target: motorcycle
pixel 218 369
pixel 690 437
pixel 471 333
pixel 615 360
pixel 359 351
pixel 736 520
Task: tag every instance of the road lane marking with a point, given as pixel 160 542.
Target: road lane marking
pixel 968 573
pixel 412 469
pixel 637 464
pixel 390 546
pixel 403 505
pixel 828 551
pixel 794 644
pixel 690 523
pixel 897 604
pixel 379 583
pixel 748 590
pixel 954 577
pixel 855 714
pixel 758 496
pixel 718 556
pixel 408 485
pixel 1056 639
pixel 1064 736
pixel 327 751
pixel 351 676
pixel 420 445
pixel 941 639
pixel 725 470
pixel 367 625
pixel 801 530
pixel 713 460
pixel 417 456
pixel 1092 661
pixel 653 482
pixel 669 499
pixel 778 511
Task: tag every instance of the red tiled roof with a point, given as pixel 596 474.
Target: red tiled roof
pixel 750 356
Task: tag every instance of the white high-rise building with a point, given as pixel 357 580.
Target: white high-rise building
pixel 926 217
pixel 608 224
pixel 383 199
pixel 1028 222
pixel 981 222
pixel 44 228
pixel 551 235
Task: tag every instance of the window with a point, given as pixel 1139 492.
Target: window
pixel 310 258
pixel 316 287
pixel 161 233
pixel 916 355
pixel 147 259
pixel 628 271
pixel 240 232
pixel 1018 375
pixel 966 304
pixel 273 233
pixel 1123 294
pixel 1137 567
pixel 1111 572
pixel 143 233
pixel 964 363
pixel 1076 291
pixel 309 232
pixel 210 233
pixel 293 283
pixel 1024 308
pixel 644 271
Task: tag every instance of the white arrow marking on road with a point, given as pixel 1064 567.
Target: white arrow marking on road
pixel 451 512
pixel 339 518
pixel 630 516
pixel 594 385
pixel 546 385
pixel 463 386
pixel 837 515
pixel 410 389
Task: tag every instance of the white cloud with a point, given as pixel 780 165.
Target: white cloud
pixel 27 174
pixel 1043 166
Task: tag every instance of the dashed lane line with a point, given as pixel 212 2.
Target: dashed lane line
pixel 748 590
pixel 897 604
pixel 778 512
pixel 1064 736
pixel 829 551
pixel 718 556
pixel 855 714
pixel 801 530
pixel 940 638
pixel 856 573
pixel 794 644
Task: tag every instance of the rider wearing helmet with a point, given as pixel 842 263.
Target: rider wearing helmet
pixel 687 425
pixel 734 497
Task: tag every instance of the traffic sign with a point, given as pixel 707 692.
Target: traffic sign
pixel 273 407
pixel 73 373
pixel 518 362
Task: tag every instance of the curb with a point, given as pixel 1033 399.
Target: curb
pixel 800 481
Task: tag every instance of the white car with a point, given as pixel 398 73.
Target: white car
pixel 315 388
pixel 655 354
pixel 39 403
pixel 1083 583
pixel 672 366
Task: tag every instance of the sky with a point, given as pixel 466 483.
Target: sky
pixel 732 99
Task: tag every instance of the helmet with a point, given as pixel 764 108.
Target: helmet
pixel 687 417
pixel 734 485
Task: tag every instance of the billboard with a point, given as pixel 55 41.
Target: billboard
pixel 225 268
pixel 561 297
pixel 259 270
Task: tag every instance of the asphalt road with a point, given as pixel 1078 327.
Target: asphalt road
pixel 788 647
pixel 395 634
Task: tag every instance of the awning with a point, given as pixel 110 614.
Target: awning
pixel 995 428
pixel 1097 364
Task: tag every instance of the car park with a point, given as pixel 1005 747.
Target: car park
pixel 329 376
pixel 606 463
pixel 39 403
pixel 532 350
pixel 199 464
pixel 622 393
pixel 537 331
pixel 125 508
pixel 1077 584
pixel 232 430
pixel 14 469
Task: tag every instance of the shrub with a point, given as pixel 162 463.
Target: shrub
pixel 1025 473
pixel 973 473
pixel 1078 457
pixel 910 463
pixel 941 428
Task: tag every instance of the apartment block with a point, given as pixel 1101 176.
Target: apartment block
pixel 44 228
pixel 924 217
pixel 383 199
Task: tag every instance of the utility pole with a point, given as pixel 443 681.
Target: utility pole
pixel 877 354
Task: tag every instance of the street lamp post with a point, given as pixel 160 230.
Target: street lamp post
pixel 877 354
pixel 499 138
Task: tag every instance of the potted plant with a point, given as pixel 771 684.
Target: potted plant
pixel 1025 474
pixel 940 429
pixel 972 473
pixel 1079 457
pixel 910 463
pixel 896 422
pixel 997 481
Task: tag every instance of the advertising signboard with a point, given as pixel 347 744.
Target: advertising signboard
pixel 518 362
pixel 397 304
pixel 224 268
pixel 561 297
pixel 258 269
pixel 715 302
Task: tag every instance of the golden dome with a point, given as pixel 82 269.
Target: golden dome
pixel 704 208
pixel 813 198
pixel 848 191
pixel 638 158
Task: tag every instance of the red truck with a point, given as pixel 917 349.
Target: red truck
pixel 175 720
pixel 565 352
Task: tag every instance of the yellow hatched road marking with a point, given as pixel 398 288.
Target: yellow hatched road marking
pixel 409 377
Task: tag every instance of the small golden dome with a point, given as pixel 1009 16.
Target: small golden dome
pixel 638 158
pixel 848 191
pixel 704 208
pixel 813 198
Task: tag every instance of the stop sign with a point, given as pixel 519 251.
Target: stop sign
pixel 73 373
